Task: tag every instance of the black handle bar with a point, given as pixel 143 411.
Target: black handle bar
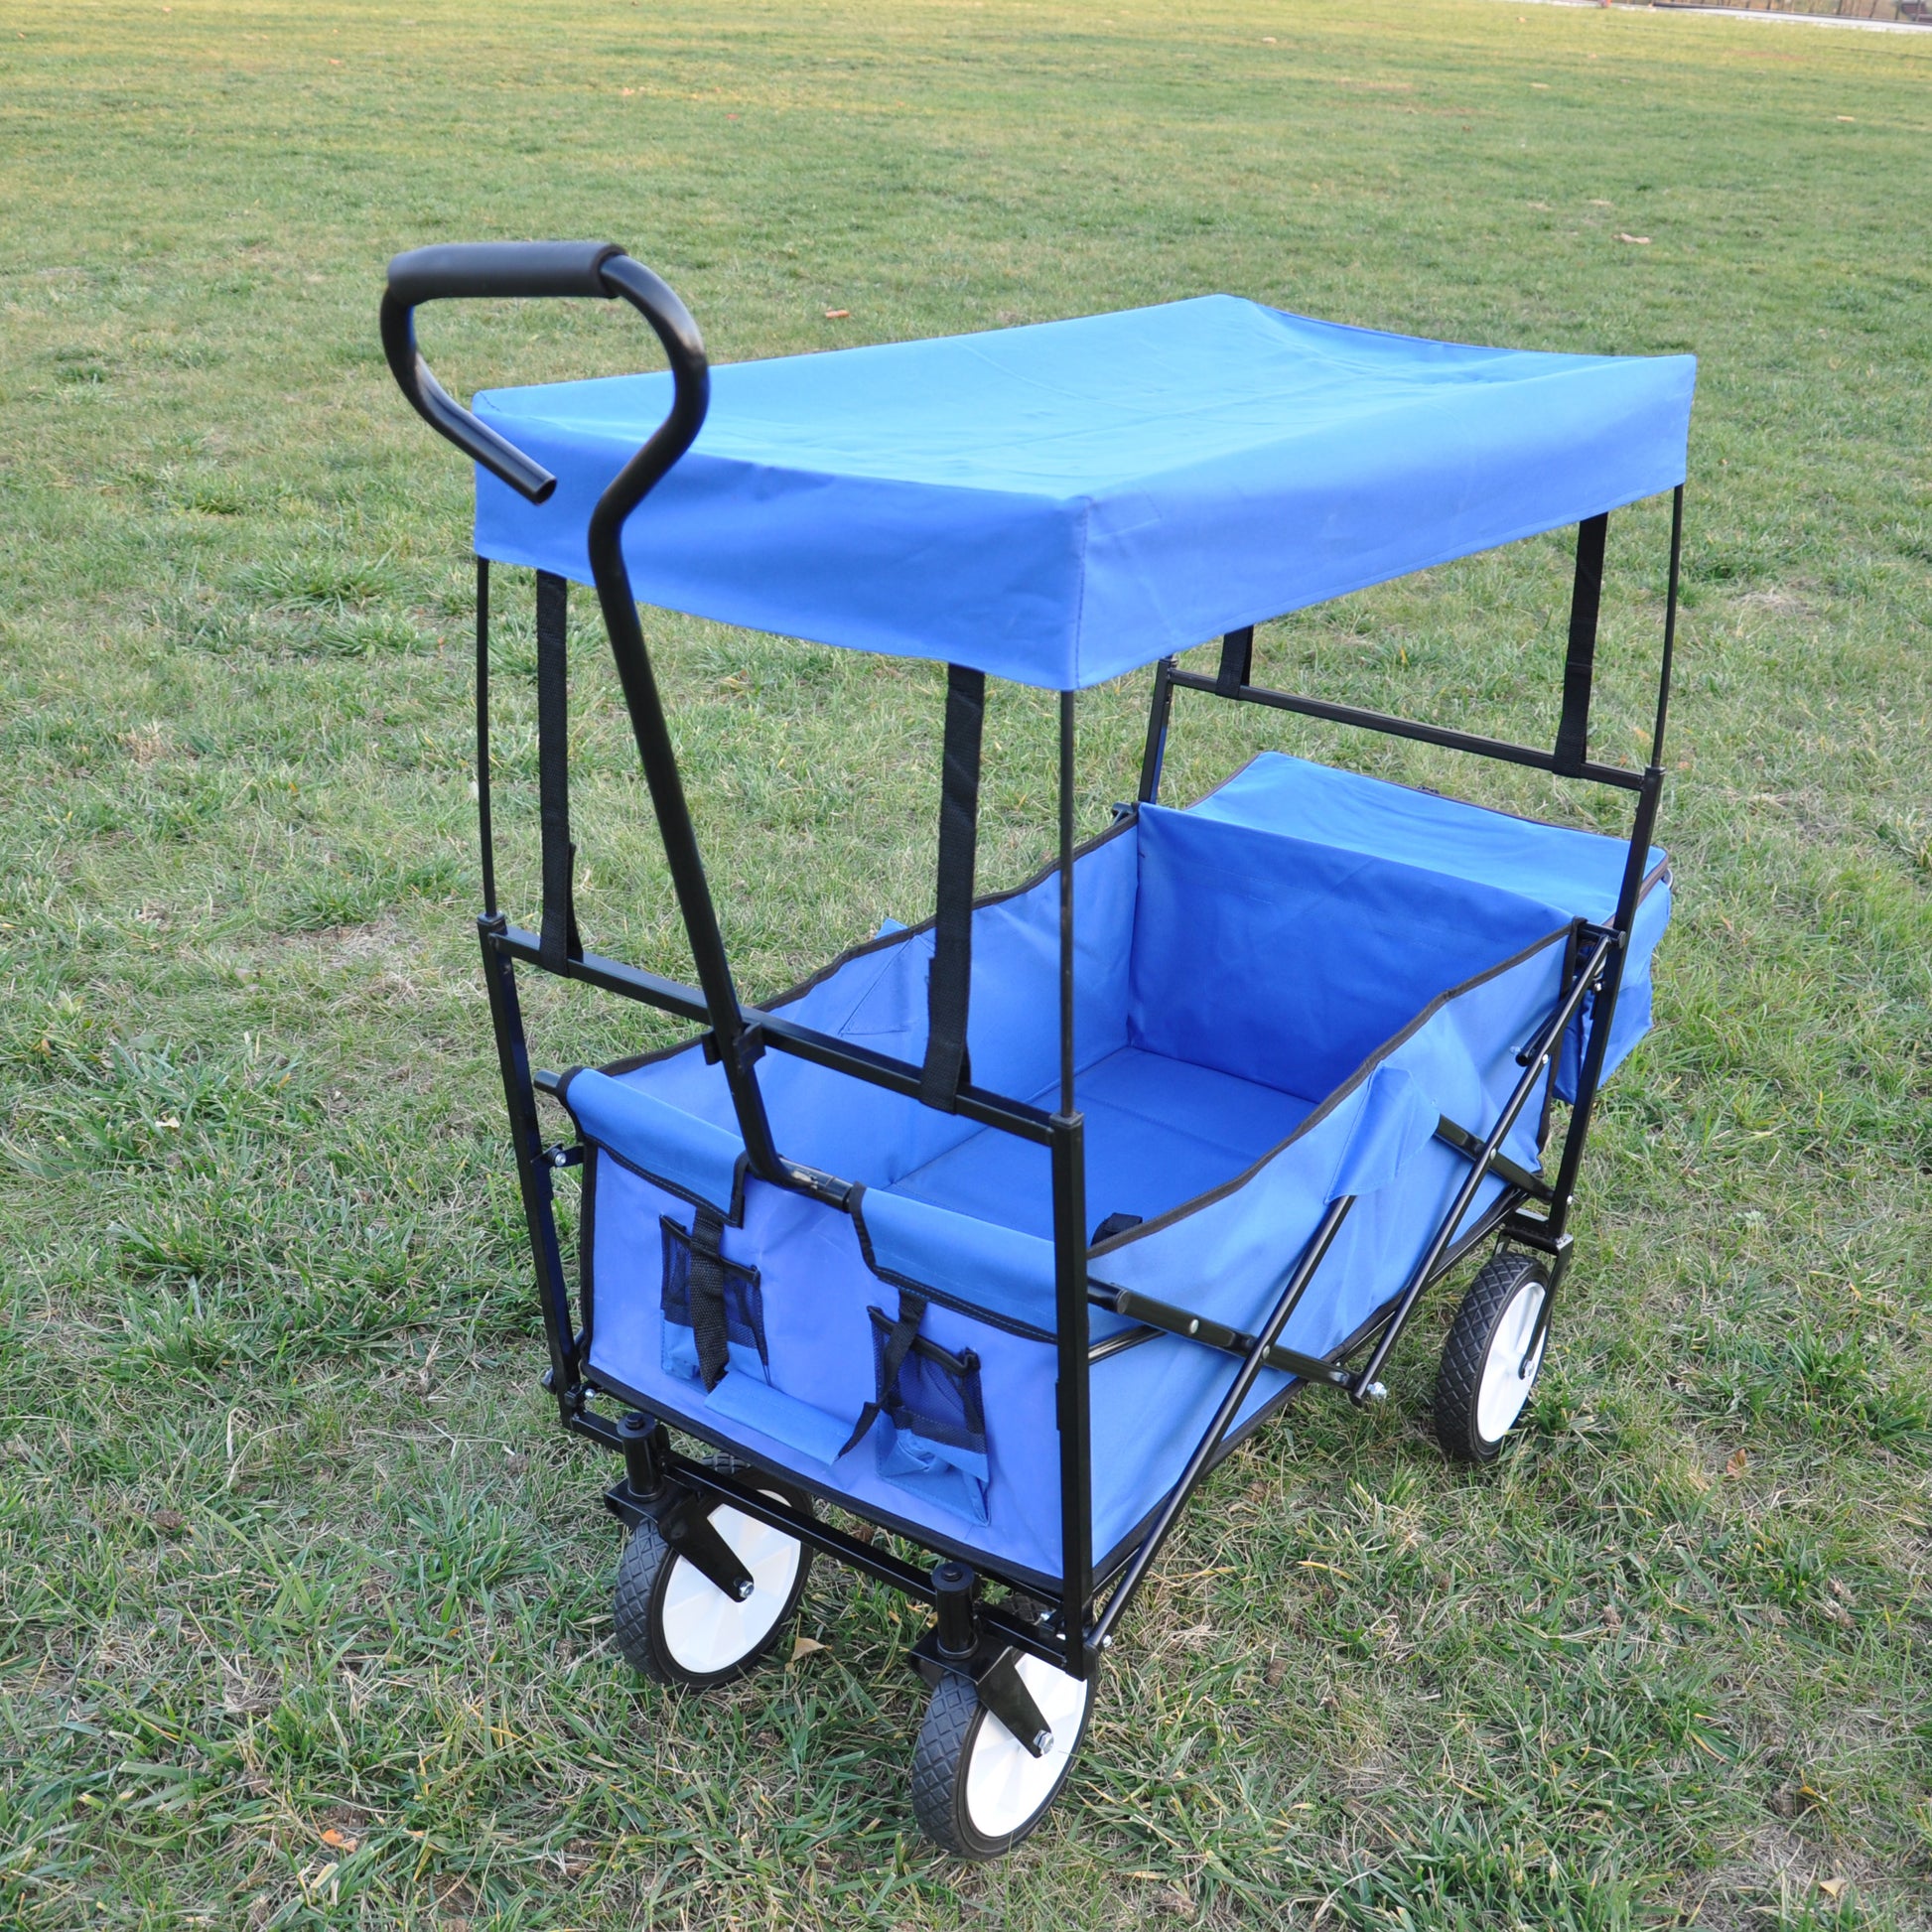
pixel 494 269
pixel 459 270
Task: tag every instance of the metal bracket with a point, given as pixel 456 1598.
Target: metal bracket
pixel 1607 941
pixel 993 1670
pixel 1170 1321
pixel 1533 1231
pixel 564 1157
pixel 683 1520
pixel 1453 1134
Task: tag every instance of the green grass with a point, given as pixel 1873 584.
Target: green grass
pixel 289 1542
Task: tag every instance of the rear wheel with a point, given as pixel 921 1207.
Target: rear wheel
pixel 977 1791
pixel 1486 1380
pixel 675 1624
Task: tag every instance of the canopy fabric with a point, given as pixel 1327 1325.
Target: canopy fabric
pixel 1064 502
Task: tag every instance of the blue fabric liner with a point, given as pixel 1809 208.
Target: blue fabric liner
pixel 1064 502
pixel 1577 875
pixel 1276 995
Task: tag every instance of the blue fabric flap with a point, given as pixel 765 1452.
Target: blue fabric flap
pixel 695 1157
pixel 1397 1118
pixel 1064 502
pixel 783 1417
pixel 987 1266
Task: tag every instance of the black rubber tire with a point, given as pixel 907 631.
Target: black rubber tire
pixel 1466 1354
pixel 643 1572
pixel 953 1719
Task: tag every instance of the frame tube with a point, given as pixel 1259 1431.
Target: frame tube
pixel 1298 1277
pixel 1453 741
pixel 978 1104
pixel 1602 1012
pixel 1424 1271
pixel 1670 624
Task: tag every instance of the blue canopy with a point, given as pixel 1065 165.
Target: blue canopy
pixel 1061 503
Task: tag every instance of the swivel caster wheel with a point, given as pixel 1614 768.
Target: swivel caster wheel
pixel 1484 1379
pixel 977 1791
pixel 676 1626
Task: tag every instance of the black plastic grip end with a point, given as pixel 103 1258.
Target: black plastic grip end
pixel 482 269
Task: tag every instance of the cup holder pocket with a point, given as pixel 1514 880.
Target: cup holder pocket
pixel 713 1307
pixel 931 1429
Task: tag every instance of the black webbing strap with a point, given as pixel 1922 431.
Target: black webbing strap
pixel 1237 662
pixel 707 1321
pixel 898 1346
pixel 558 940
pixel 1573 729
pixel 949 983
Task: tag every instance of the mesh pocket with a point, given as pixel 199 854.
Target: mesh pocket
pixel 744 1312
pixel 932 1436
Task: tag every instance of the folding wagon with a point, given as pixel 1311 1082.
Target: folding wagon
pixel 1001 1231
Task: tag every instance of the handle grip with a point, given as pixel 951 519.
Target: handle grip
pixel 483 269
pixel 479 269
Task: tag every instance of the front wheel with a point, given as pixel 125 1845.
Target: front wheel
pixel 1488 1371
pixel 675 1624
pixel 977 1791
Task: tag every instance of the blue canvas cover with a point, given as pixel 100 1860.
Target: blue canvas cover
pixel 1064 502
pixel 1278 995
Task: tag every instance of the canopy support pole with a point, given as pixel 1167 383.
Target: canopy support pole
pixel 1159 712
pixel 1071 1267
pixel 1670 624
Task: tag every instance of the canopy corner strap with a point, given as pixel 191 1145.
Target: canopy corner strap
pixel 1580 663
pixel 559 939
pixel 1237 666
pixel 948 1065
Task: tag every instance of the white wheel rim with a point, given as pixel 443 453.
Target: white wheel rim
pixel 704 1630
pixel 1500 1399
pixel 1006 1785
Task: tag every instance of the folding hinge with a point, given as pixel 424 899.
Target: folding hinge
pixel 561 1156
pixel 1452 1133
pixel 750 1048
pixel 575 1396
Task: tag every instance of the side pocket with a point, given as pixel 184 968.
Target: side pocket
pixel 713 1308
pixel 933 1434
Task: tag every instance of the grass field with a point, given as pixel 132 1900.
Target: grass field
pixel 303 1608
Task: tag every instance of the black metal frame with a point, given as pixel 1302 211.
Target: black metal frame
pixel 673 1490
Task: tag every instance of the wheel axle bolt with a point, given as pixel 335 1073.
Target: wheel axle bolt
pixel 1043 1741
pixel 1375 1392
pixel 742 1591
